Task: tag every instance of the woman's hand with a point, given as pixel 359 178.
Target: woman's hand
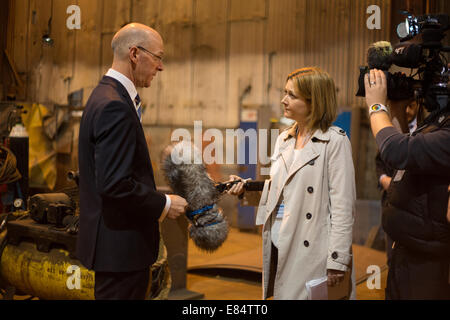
pixel 376 87
pixel 335 277
pixel 238 188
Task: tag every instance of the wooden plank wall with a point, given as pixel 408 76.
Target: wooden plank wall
pixel 215 50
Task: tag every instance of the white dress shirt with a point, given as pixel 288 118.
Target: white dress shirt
pixel 132 92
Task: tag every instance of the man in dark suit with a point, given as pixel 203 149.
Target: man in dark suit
pixel 120 209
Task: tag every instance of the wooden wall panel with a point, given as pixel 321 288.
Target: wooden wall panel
pixel 246 67
pixel 209 69
pixel 247 10
pixel 20 41
pixel 40 13
pixel 106 53
pixel 145 11
pixel 87 48
pixel 57 64
pixel 285 45
pixel 360 41
pixel 212 50
pixel 327 41
pixel 116 13
pixel 172 88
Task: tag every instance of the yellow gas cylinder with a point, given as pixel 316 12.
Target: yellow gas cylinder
pixel 55 276
pixel 47 275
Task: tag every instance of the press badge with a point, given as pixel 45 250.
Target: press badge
pixel 399 175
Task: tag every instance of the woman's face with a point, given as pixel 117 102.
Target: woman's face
pixel 295 107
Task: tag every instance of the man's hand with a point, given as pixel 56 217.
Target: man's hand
pixel 335 277
pixel 178 206
pixel 385 181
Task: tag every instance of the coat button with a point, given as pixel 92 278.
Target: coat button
pixel 310 189
pixel 308 216
pixel 334 255
pixel 306 243
pixel 311 163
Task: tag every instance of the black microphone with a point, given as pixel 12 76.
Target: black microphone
pixel 249 185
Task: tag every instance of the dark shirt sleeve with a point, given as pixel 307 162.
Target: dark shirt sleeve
pixel 381 167
pixel 115 146
pixel 424 152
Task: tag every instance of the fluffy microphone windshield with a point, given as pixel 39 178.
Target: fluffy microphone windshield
pixel 188 178
pixel 379 55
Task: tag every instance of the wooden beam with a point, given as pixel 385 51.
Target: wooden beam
pixel 13 68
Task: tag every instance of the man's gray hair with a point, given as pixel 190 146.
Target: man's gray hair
pixel 127 37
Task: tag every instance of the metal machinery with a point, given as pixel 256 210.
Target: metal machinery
pixel 37 253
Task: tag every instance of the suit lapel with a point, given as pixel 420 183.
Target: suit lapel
pixel 121 89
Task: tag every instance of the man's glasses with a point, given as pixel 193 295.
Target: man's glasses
pixel 160 59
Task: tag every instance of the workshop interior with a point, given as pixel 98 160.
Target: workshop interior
pixel 225 66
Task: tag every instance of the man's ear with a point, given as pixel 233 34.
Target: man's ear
pixel 132 54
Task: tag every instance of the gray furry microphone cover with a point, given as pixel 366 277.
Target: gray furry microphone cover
pixel 187 177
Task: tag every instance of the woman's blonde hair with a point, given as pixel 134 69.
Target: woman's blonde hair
pixel 317 88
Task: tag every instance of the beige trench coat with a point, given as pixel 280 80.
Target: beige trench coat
pixel 319 197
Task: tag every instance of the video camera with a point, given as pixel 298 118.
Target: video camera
pixel 431 88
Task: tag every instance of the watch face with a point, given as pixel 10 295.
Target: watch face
pixel 375 107
pixel 18 203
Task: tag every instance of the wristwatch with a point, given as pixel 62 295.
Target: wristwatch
pixel 376 107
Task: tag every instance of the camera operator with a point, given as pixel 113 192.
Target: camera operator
pixel 416 213
pixel 414 116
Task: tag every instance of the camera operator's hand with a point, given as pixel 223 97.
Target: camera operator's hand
pixel 238 188
pixel 376 92
pixel 376 87
pixel 385 182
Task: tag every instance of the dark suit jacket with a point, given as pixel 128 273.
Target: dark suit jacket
pixel 119 204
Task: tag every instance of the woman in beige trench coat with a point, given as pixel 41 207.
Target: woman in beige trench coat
pixel 307 205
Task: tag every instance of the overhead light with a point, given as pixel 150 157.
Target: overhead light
pixel 46 39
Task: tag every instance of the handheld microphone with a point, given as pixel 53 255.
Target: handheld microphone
pixel 208 227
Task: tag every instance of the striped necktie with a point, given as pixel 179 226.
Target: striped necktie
pixel 137 100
